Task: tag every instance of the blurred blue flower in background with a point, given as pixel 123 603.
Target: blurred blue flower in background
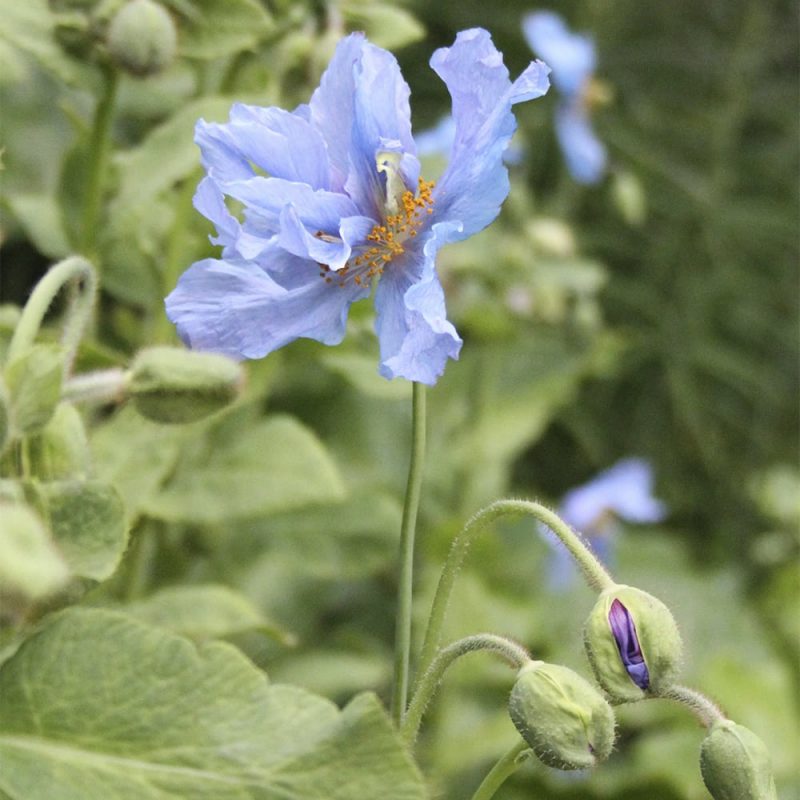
pixel 572 58
pixel 624 491
pixel 333 199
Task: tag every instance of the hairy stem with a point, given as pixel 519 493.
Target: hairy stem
pixel 402 646
pixel 706 711
pixel 515 654
pixel 594 572
pixel 74 268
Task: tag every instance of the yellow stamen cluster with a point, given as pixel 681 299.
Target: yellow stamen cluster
pixel 387 240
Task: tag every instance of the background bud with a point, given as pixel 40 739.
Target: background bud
pixel 169 384
pixel 565 720
pixel 735 764
pixel 633 645
pixel 142 37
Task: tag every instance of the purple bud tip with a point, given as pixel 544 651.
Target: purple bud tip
pixel 628 644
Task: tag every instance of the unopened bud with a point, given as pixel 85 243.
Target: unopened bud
pixel 735 764
pixel 565 720
pixel 633 643
pixel 172 385
pixel 142 37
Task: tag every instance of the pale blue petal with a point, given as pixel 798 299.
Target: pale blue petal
pixel 331 106
pixel 584 153
pixel 475 183
pixel 415 337
pixel 237 309
pixel 360 106
pixel 571 56
pixel 277 142
pixel 267 197
pixel 333 251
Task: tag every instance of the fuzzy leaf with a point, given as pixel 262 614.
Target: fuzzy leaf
pixel 99 707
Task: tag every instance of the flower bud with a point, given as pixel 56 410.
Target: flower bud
pixel 142 37
pixel 565 720
pixel 172 385
pixel 633 643
pixel 735 764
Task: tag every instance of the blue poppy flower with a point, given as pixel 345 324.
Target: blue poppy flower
pixel 572 58
pixel 624 491
pixel 438 140
pixel 333 199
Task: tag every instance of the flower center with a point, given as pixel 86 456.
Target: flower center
pixel 386 241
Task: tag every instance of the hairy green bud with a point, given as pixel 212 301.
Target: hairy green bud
pixel 565 720
pixel 632 643
pixel 735 764
pixel 142 37
pixel 172 385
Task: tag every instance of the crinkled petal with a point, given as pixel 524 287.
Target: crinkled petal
pixel 571 56
pixel 475 183
pixel 318 209
pixel 415 336
pixel 584 153
pixel 361 102
pixel 332 251
pixel 237 309
pixel 282 144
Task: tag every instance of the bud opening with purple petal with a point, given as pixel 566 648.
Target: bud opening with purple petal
pixel 632 643
pixel 624 630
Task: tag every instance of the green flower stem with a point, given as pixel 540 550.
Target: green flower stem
pixel 593 570
pixel 402 645
pixel 103 386
pixel 74 268
pixel 706 711
pixel 99 151
pixel 515 654
pixel 507 765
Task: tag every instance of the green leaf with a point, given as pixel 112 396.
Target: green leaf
pixel 28 29
pixel 87 520
pixel 254 470
pixel 30 564
pixel 34 386
pixel 136 455
pixel 218 28
pixel 99 707
pixel 40 217
pixel 165 156
pixel 361 371
pixel 205 612
pixel 384 25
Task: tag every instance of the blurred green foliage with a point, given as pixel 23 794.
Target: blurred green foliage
pixel 652 315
